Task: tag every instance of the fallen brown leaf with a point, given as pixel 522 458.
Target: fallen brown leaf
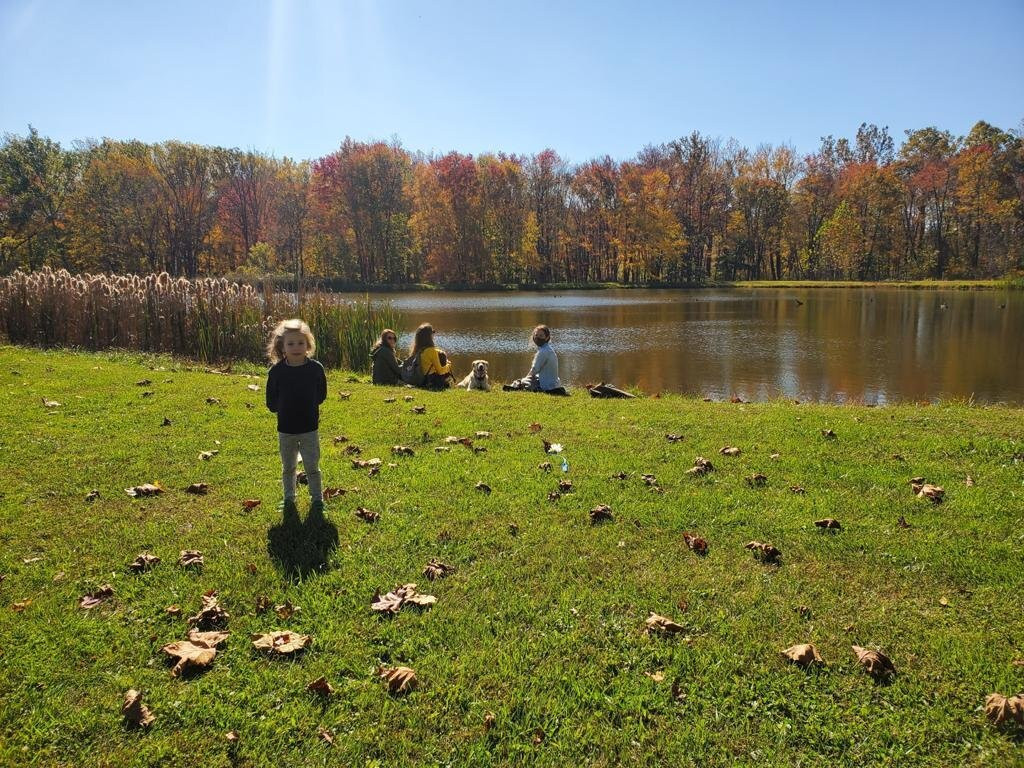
pixel 701 466
pixel 757 480
pixel 435 569
pixel 353 450
pixel 482 486
pixel 902 522
pixel 419 409
pixel 20 605
pixel 999 709
pixel 286 610
pixel 320 687
pixel 657 676
pixel 390 399
pixel 340 439
pixel 554 496
pixel 662 625
pixel 190 558
pixel 696 543
pixel 135 713
pixel 828 523
pixel 365 514
pixel 489 720
pixel 600 513
pixel 213 401
pixel 280 643
pixel 565 486
pixel 333 492
pixel 544 466
pixel 482 435
pixel 250 504
pixel 211 614
pixel 232 737
pixel 535 427
pixel 92 495
pixel 166 422
pixel 399 679
pixel 402 450
pixel 143 383
pixel 143 562
pixel 876 663
pixel 207 455
pixel 263 604
pixel 934 493
pixel 616 476
pixel 803 655
pixel 326 735
pixel 199 489
pixel 730 450
pixel 300 477
pixel 366 463
pixel 96 597
pixel 394 601
pixel 344 395
pixel 173 610
pixel 674 438
pixel 764 552
pixel 50 403
pixel 196 653
pixel 828 434
pixel 797 489
pixel 538 736
pixel 146 489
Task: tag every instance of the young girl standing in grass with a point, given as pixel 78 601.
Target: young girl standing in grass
pixel 296 385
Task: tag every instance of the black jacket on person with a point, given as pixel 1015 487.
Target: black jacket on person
pixel 386 367
pixel 294 393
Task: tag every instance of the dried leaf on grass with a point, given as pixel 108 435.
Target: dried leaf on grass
pixel 368 515
pixel 399 597
pixel 135 713
pixel 173 610
pixel 757 480
pixel 340 439
pixel 649 480
pixel 902 522
pixel 551 447
pixel 701 467
pixel 198 489
pixel 196 653
pixel 250 504
pixel 190 558
pixel 390 399
pixel 320 687
pixel 601 513
pixel 803 655
pixel 92 495
pixel 535 427
pixel 333 492
pixel 696 543
pixel 435 569
pixel 207 455
pixel 482 486
pixel 286 610
pixel 923 490
pixel 554 496
pixel 876 663
pixel 96 597
pixel 143 562
pixel 828 523
pixel 420 409
pixel 764 552
pixel 489 720
pixel 674 438
pixel 20 605
pixel 211 614
pixel 730 450
pixel 353 450
pixel 50 403
pixel 213 401
pixel 616 476
pixel 402 450
pixel 828 434
pixel 1000 709
pixel 544 466
pixel 300 477
pixel 483 435
pixel 365 463
pixel 797 489
pixel 565 486
pixel 657 623
pixel 146 489
pixel 280 643
pixel 408 398
pixel 399 679
pixel 344 395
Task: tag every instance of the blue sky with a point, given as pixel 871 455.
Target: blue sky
pixel 584 78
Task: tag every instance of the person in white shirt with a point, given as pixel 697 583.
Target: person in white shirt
pixel 543 375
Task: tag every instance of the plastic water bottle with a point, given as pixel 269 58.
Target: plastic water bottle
pixel 565 464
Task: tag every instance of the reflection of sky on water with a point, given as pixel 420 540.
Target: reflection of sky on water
pixel 874 346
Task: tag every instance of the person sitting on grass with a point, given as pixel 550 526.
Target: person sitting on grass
pixel 435 366
pixel 387 369
pixel 543 375
pixel 296 385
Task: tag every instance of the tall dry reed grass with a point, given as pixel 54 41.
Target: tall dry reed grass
pixel 212 320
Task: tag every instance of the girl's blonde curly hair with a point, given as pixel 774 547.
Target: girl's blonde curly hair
pixel 275 346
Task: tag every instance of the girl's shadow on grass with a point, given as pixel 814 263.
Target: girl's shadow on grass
pixel 301 548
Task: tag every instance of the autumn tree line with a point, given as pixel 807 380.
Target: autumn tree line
pixel 681 213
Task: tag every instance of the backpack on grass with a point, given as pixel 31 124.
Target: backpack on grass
pixel 411 373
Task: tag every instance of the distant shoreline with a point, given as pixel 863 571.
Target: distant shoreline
pixel 336 286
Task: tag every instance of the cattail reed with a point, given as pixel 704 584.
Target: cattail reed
pixel 212 320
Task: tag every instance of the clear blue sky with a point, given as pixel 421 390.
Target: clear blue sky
pixel 585 78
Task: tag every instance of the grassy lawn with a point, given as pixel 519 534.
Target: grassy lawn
pixel 543 628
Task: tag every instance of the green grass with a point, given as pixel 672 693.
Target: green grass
pixel 543 628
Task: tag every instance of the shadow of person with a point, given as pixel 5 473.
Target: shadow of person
pixel 301 548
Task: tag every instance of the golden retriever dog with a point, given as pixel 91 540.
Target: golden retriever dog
pixel 477 378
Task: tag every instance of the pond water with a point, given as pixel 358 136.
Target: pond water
pixel 871 345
